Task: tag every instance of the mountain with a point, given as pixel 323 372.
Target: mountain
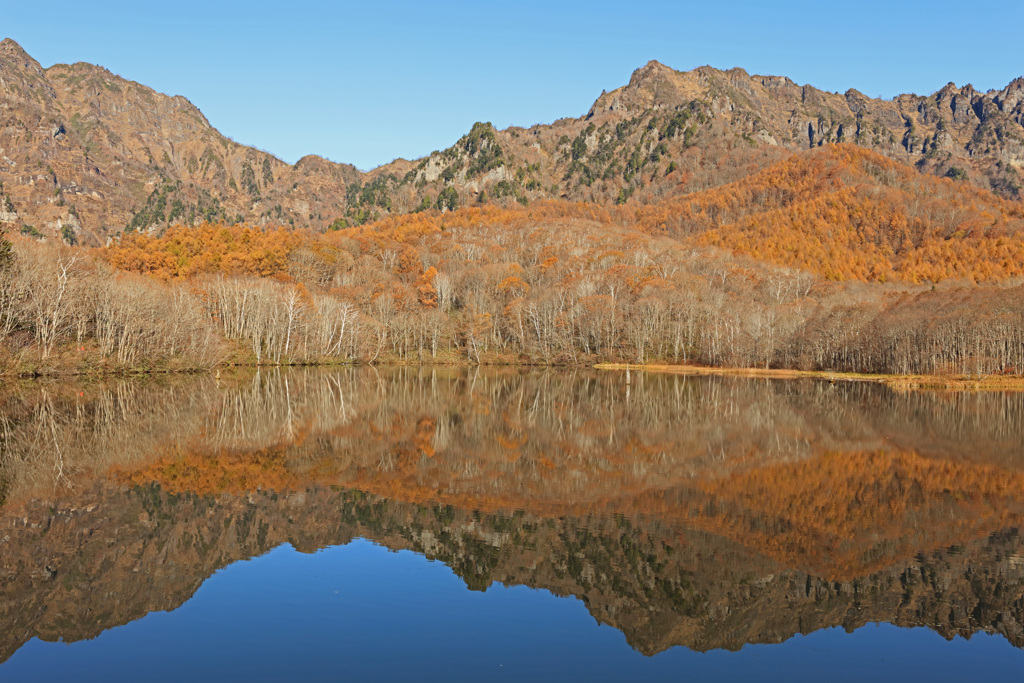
pixel 89 151
pixel 85 154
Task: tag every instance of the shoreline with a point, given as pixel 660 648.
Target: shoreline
pixel 1014 383
pixel 897 382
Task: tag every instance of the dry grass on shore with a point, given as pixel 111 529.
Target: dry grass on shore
pixel 899 382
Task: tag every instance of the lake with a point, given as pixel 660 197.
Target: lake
pixel 505 524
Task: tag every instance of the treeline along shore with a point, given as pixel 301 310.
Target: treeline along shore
pixel 551 283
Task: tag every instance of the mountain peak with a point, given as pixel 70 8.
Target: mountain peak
pixel 24 73
pixel 657 85
pixel 10 45
pixel 651 69
pixel 11 51
pixel 654 65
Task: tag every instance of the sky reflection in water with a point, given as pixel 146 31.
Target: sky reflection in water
pixel 360 612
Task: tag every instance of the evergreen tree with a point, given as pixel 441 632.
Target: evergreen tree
pixel 6 250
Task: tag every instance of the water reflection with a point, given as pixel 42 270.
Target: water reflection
pixel 704 512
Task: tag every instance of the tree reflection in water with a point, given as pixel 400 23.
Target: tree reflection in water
pixel 706 512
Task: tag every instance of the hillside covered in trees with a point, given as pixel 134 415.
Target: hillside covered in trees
pixel 836 259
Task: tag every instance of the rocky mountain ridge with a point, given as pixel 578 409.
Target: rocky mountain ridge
pixel 85 154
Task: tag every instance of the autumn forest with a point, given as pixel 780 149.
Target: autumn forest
pixel 836 259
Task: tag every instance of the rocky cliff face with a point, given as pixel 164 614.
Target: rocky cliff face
pixel 85 154
pixel 978 132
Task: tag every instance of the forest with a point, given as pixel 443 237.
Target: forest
pixel 836 259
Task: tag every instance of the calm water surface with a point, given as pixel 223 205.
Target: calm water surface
pixel 363 524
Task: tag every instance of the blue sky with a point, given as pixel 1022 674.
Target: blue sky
pixel 367 82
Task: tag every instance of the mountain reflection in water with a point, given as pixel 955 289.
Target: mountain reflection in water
pixel 703 512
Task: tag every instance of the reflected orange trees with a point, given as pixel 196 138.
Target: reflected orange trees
pixel 707 511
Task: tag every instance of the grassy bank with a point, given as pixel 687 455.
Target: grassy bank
pixel 900 382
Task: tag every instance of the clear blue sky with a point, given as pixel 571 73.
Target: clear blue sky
pixel 370 81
